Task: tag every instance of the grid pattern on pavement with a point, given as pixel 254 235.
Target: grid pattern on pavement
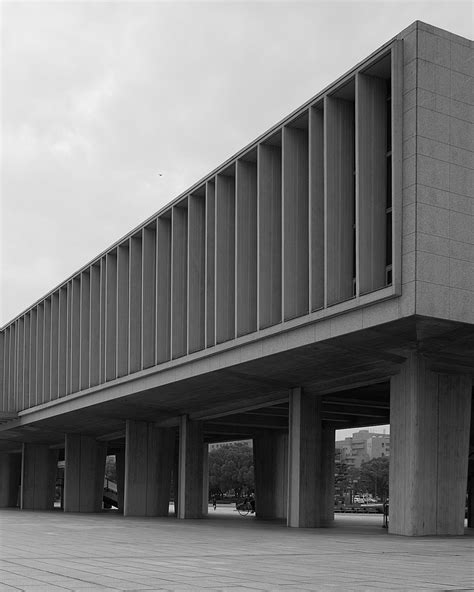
pixel 53 551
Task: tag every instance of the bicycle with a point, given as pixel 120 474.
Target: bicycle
pixel 244 508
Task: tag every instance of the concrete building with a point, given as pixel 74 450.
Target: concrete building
pixel 215 445
pixel 379 446
pixel 363 446
pixel 321 278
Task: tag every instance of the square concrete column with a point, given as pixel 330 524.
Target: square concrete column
pixel 205 479
pixel 10 477
pixel 305 491
pixel 429 430
pixel 281 476
pixel 271 474
pixel 327 482
pixel 120 471
pixel 176 481
pixel 84 472
pixel 38 477
pixel 149 452
pixel 470 500
pixel 470 475
pixel 190 480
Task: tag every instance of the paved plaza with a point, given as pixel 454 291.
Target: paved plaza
pixel 53 551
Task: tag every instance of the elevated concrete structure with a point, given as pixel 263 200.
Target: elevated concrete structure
pixel 322 278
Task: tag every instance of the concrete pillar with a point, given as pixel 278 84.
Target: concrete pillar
pixel 148 463
pixel 38 477
pixel 281 474
pixel 429 432
pixel 470 474
pixel 120 470
pixel 328 462
pixel 176 481
pixel 305 493
pixel 271 477
pixel 10 477
pixel 84 472
pixel 470 500
pixel 190 484
pixel 205 479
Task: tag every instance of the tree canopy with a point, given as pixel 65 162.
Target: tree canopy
pixel 345 477
pixel 231 467
pixel 373 477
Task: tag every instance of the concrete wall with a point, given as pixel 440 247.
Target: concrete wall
pixel 438 206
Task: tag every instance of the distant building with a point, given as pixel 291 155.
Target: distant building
pixel 215 445
pixel 378 445
pixel 362 447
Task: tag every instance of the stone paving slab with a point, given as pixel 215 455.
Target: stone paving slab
pixel 53 551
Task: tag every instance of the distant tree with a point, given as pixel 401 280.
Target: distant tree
pixel 374 477
pixel 345 478
pixel 231 467
pixel 340 479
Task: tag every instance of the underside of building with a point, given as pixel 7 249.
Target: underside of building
pixel 321 279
